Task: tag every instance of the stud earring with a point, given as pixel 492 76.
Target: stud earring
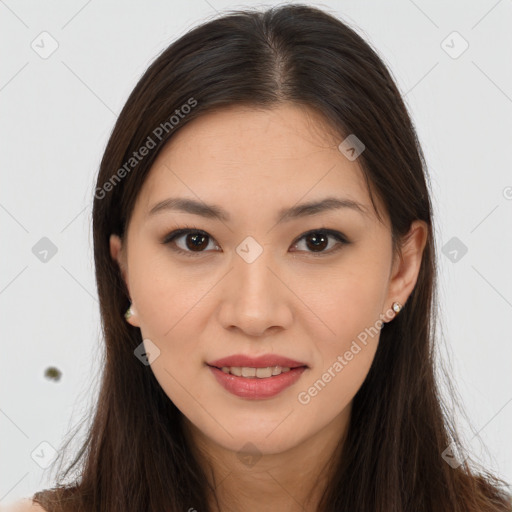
pixel 397 307
pixel 129 312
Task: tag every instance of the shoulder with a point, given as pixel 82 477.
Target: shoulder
pixel 23 505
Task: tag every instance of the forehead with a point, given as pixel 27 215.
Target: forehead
pixel 254 159
pixel 236 134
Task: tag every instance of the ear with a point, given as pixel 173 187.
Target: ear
pixel 406 266
pixel 118 254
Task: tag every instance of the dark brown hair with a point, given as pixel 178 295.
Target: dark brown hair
pixel 135 456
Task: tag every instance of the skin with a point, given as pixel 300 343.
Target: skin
pixel 290 301
pixel 22 505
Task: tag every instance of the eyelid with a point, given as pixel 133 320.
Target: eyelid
pixel 187 229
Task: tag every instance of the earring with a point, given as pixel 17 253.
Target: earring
pixel 129 312
pixel 396 307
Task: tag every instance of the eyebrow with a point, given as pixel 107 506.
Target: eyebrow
pixel 215 212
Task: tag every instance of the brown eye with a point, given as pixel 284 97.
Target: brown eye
pixel 190 242
pixel 196 241
pixel 318 240
pixel 193 242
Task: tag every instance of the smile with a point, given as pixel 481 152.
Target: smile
pixel 260 373
pixel 256 383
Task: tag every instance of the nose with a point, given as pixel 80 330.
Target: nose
pixel 255 297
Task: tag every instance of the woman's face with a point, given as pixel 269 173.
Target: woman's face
pixel 253 282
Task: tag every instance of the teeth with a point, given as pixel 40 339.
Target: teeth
pixel 236 371
pixel 263 373
pixel 248 372
pixel 260 373
pixel 276 370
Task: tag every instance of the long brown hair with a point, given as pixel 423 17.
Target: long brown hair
pixel 135 456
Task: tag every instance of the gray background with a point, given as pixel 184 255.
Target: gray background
pixel 57 112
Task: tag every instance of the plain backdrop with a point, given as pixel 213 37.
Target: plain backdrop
pixel 66 70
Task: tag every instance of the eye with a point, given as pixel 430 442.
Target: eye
pixel 317 240
pixel 191 241
pixel 195 240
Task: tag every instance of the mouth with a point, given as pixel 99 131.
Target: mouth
pixel 249 372
pixel 258 377
pixel 259 383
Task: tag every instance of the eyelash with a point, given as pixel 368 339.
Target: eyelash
pixel 185 230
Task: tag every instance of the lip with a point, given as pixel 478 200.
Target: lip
pixel 262 361
pixel 255 388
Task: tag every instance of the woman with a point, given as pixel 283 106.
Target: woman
pixel 263 218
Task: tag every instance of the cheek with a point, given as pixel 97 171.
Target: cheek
pixel 334 382
pixel 346 337
pixel 167 297
pixel 345 304
pixel 174 307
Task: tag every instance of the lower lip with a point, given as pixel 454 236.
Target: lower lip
pixel 254 387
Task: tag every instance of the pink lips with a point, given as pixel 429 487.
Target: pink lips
pixel 255 387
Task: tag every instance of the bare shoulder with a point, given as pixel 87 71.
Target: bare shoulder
pixel 23 505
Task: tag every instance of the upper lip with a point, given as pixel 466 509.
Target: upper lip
pixel 262 361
